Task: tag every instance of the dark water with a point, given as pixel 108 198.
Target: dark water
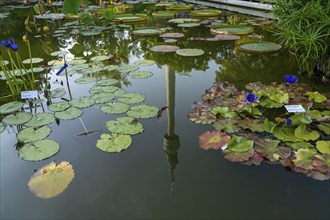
pixel 137 183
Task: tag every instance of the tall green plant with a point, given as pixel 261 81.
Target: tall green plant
pixel 303 26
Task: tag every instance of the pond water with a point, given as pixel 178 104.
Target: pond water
pixel 151 180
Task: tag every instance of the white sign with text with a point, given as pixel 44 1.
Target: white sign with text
pixel 295 108
pixel 29 94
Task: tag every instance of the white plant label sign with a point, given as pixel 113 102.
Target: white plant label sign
pixel 294 108
pixel 29 94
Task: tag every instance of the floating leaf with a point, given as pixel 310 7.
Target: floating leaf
pixel 325 127
pixel 255 125
pixel 41 119
pixel 145 62
pixel 164 48
pixel 190 52
pixel 183 20
pixel 39 150
pixel 114 142
pixel 82 102
pixel 129 18
pixel 17 119
pixel 286 134
pixel 172 35
pixel 59 53
pixel 232 29
pixel 260 47
pixel 127 69
pixel 238 156
pixel 33 134
pixel 304 158
pixel 11 107
pixel 269 126
pixel 56 93
pixel 114 108
pixel 218 37
pixel 187 25
pixel 85 80
pixel 299 145
pixel 204 13
pixel 124 125
pixel 141 75
pixel 103 97
pixel 59 106
pixel 223 112
pixel 227 125
pixel 302 133
pixel 100 58
pixel 323 147
pixel 269 149
pixel 321 163
pixel 316 97
pixel 239 144
pixel 107 82
pixel 69 114
pixel 103 89
pixel 33 60
pixel 132 98
pixel 202 117
pixel 147 31
pixel 51 180
pixel 142 111
pixel 213 140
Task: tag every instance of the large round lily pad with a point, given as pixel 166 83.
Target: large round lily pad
pixel 146 31
pixel 103 89
pixel 11 107
pixel 59 106
pixel 39 150
pixel 32 134
pixel 82 102
pixel 51 180
pixel 172 35
pixel 165 48
pixel 239 144
pixel 128 18
pixel 41 119
pixel 204 13
pixel 57 93
pixel 131 98
pixel 114 108
pixel 141 75
pixel 99 58
pixel 103 97
pixel 260 47
pixel 142 111
pixel 85 80
pixel 32 60
pixel 127 69
pixel 124 125
pixel 17 119
pixel 213 140
pixel 179 7
pixel 114 142
pixel 187 25
pixel 190 52
pixel 69 114
pixel 107 82
pixel 145 62
pixel 232 29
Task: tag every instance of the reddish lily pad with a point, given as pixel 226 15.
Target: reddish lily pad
pixel 238 156
pixel 172 35
pixel 202 117
pixel 304 158
pixel 165 48
pixel 213 140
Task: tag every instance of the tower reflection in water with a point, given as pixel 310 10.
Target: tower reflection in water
pixel 171 140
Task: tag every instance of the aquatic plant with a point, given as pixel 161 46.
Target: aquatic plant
pixel 291 79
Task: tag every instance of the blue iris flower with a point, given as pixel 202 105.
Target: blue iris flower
pixel 290 79
pixel 10 44
pixel 250 98
pixel 4 43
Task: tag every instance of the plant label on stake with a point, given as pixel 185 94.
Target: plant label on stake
pixel 294 108
pixel 29 94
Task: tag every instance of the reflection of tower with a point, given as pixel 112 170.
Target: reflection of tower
pixel 171 140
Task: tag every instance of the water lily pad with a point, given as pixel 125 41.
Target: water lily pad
pixel 232 29
pixel 39 150
pixel 103 89
pixel 204 13
pixel 187 25
pixel 164 48
pixel 2 127
pixel 201 117
pixel 190 52
pixel 107 82
pixel 85 80
pixel 270 149
pixel 147 31
pixel 224 112
pixel 82 102
pixel 59 53
pixel 11 107
pixel 141 75
pixel 128 18
pixel 50 16
pixel 239 144
pixel 299 145
pixel 164 14
pixel 99 58
pixel 238 156
pixel 124 125
pixel 321 163
pixel 218 37
pixel 127 69
pixel 316 97
pixel 17 119
pixel 32 60
pixel 325 127
pixel 76 62
pixel 57 93
pixel 59 106
pixel 179 7
pixel 172 35
pixel 51 179
pixel 323 147
pixel 228 125
pixel 69 114
pixel 304 158
pixel 103 97
pixel 286 134
pixel 142 111
pixel 132 98
pixel 213 140
pixel 145 62
pixel 114 108
pixel 260 47
pixel 114 142
pixel 41 119
pixel 255 125
pixel 304 134
pixel 33 134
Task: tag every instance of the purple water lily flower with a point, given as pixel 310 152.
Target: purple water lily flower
pixel 290 79
pixel 250 98
pixel 4 43
pixel 10 44
pixel 288 121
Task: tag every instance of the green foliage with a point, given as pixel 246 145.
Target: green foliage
pixel 71 6
pixel 304 28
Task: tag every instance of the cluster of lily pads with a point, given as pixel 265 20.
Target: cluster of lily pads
pixel 106 92
pixel 253 126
